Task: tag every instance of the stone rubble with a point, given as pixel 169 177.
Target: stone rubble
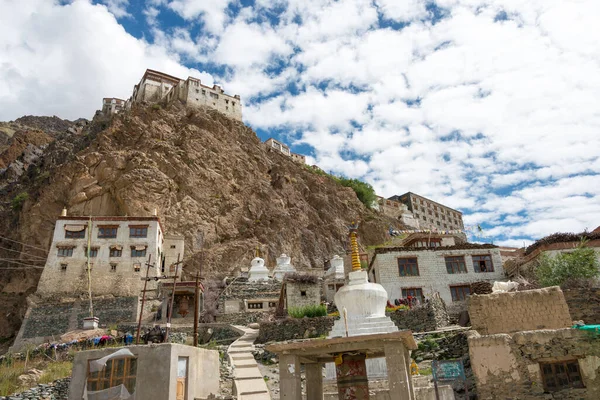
pixel 57 390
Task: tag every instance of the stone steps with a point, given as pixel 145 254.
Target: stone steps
pixel 248 382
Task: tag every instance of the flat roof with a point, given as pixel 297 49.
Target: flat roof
pixel 415 194
pixel 325 350
pixel 111 219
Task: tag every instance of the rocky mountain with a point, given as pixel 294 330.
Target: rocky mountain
pixel 210 178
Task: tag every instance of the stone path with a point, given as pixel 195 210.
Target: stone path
pixel 248 382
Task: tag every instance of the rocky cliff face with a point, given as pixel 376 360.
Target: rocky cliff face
pixel 209 177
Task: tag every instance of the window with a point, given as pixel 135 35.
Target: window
pixel 197 91
pixel 226 101
pixel 214 95
pixel 65 251
pixel 137 267
pixel 561 375
pixel 75 234
pixel 204 92
pixel 408 267
pixel 138 231
pixel 173 246
pixel 456 265
pixel 413 292
pixel 331 287
pixel 118 371
pixel 255 305
pixel 233 103
pixel 460 293
pixel 483 263
pixel 113 267
pixel 138 251
pixel 272 304
pixel 303 293
pixel 116 251
pixel 93 252
pixel 63 267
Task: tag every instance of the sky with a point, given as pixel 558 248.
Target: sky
pixel 490 107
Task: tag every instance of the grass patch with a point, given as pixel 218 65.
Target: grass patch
pixel 56 370
pixel 10 371
pixel 425 371
pixel 308 311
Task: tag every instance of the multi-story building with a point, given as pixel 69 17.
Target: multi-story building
pixel 112 105
pixel 120 247
pixel 157 86
pixel 422 268
pixel 284 149
pixel 430 214
pixel 395 209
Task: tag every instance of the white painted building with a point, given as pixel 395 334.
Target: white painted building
pixel 120 248
pixel 419 272
pixel 157 86
pixel 112 105
pixel 285 150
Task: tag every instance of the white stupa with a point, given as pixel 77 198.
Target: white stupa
pixel 283 267
pixel 258 272
pixel 362 311
pixel 336 269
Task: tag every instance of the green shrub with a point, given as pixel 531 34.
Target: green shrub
pixel 364 191
pixel 17 202
pixel 311 311
pixel 564 268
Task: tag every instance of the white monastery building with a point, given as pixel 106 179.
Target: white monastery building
pixel 428 266
pixel 285 150
pixel 120 248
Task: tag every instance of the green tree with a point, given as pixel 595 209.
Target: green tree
pixel 364 191
pixel 17 202
pixel 580 264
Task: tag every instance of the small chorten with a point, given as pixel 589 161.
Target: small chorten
pixel 283 267
pixel 258 272
pixel 336 269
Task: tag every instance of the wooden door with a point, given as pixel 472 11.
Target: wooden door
pixel 182 366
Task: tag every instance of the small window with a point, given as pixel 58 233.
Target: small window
pixel 561 375
pixel 255 305
pixel 63 267
pixel 413 292
pixel 113 267
pixel 408 267
pixel 214 95
pixel 65 252
pixel 135 252
pixel 137 267
pixel 138 231
pixel 204 92
pixel 93 252
pixel 115 252
pixel 197 91
pixel 116 372
pixel 75 234
pixel 233 103
pixel 226 101
pixel 460 293
pixel 483 263
pixel 303 293
pixel 272 304
pixel 173 246
pixel 456 265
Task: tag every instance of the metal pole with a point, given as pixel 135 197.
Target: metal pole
pixel 137 336
pixel 172 300
pixel 196 309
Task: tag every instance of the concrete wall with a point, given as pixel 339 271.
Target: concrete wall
pixel 433 276
pixel 294 297
pixel 123 281
pixel 509 364
pixel 519 311
pixel 431 214
pixel 157 371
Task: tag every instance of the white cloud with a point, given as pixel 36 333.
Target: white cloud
pixel 213 13
pixel 62 59
pixel 118 7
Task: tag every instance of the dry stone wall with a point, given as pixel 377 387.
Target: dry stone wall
pixel 294 328
pixel 584 304
pixel 428 317
pixel 57 390
pixel 519 311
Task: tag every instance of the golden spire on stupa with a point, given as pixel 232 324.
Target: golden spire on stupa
pixel 354 246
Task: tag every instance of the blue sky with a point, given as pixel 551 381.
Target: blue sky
pixel 488 106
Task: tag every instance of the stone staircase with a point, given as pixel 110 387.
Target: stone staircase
pixel 248 382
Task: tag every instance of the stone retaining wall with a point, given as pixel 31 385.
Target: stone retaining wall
pixel 584 304
pixel 425 318
pixel 57 390
pixel 294 328
pixel 243 318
